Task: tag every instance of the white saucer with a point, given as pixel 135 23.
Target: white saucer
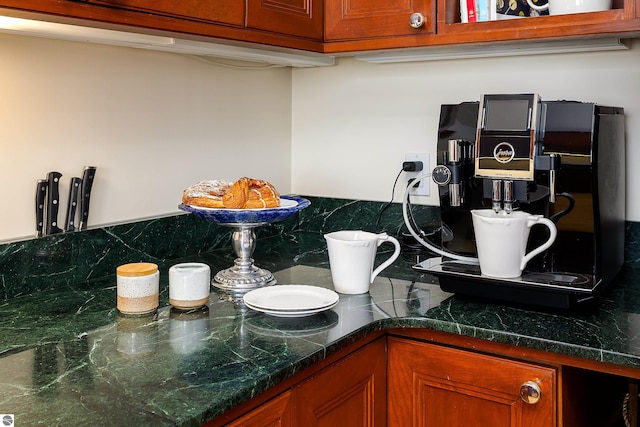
pixel 291 300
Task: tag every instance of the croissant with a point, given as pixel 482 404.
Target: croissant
pixel 248 193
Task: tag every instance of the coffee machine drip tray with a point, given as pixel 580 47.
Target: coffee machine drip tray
pixel 556 290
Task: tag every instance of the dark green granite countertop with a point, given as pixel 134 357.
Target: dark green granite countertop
pixel 68 358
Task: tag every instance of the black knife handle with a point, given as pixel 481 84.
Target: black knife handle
pixel 41 194
pixel 74 191
pixel 53 202
pixel 88 174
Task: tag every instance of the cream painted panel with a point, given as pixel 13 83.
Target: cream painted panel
pixel 153 123
pixel 353 123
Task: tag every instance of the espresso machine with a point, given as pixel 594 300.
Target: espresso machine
pixel 564 160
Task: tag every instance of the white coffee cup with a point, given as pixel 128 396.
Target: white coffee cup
pixel 189 285
pixel 501 240
pixel 352 255
pixel 564 7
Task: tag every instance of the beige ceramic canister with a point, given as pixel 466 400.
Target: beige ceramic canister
pixel 137 288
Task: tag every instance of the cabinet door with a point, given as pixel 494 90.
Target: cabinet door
pixel 274 413
pixel 219 11
pixel 431 385
pixel 359 19
pixel 352 392
pixel 302 18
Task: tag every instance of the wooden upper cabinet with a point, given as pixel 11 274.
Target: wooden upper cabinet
pixel 361 19
pixel 433 385
pixel 619 18
pixel 302 18
pixel 215 11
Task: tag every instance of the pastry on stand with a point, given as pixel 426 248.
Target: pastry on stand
pixel 244 275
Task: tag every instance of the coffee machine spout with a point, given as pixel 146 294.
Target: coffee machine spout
pixel 508 196
pixel 496 195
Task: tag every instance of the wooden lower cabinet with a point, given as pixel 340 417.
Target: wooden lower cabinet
pixel 432 385
pixel 349 392
pixel 352 392
pixel 274 413
pixel 399 380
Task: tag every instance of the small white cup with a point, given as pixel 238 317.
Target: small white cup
pixel 189 285
pixel 352 254
pixel 501 241
pixel 564 7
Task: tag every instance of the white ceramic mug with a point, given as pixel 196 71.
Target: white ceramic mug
pixel 352 255
pixel 564 7
pixel 189 285
pixel 501 240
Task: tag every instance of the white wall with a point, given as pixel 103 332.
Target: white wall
pixel 353 123
pixel 153 123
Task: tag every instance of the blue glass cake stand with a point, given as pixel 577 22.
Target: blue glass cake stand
pixel 244 275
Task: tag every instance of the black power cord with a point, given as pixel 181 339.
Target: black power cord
pixel 407 166
pixel 393 190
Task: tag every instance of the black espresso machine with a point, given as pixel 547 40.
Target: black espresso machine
pixel 561 159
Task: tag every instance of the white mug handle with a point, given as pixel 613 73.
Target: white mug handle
pixel 383 237
pixel 538 8
pixel 538 219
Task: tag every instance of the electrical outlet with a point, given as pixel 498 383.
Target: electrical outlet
pixel 423 188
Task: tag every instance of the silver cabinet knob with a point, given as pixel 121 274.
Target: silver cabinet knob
pixel 530 392
pixel 416 20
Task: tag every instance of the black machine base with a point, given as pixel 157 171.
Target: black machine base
pixel 554 290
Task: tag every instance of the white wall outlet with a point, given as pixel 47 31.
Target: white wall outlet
pixel 424 187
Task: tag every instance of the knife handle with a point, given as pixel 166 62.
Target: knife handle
pixel 74 190
pixel 53 202
pixel 41 194
pixel 88 174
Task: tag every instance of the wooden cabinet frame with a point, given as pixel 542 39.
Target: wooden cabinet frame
pixel 303 24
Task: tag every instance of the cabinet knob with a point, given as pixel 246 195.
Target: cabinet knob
pixel 530 392
pixel 416 20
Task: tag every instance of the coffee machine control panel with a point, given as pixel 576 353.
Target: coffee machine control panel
pixel 506 136
pixel 508 148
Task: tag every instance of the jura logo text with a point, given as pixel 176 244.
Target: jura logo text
pixel 504 152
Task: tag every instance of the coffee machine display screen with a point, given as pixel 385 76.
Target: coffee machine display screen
pixel 507 114
pixel 506 136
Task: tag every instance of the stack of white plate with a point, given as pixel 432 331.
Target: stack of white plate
pixel 291 300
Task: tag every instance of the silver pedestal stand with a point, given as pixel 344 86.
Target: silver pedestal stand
pixel 244 274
